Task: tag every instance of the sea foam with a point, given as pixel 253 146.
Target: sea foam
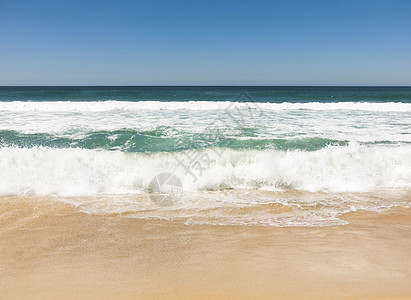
pixel 82 172
pixel 112 105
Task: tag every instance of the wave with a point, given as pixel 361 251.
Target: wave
pixel 77 172
pixel 112 105
pixel 160 139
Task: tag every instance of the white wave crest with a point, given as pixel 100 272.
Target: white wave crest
pixel 74 172
pixel 111 105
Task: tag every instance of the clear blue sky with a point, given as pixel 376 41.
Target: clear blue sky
pixel 205 42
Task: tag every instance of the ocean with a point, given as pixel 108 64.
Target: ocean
pixel 264 156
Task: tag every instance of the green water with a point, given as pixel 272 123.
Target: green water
pixel 201 93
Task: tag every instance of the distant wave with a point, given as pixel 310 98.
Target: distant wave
pixel 98 106
pixel 74 172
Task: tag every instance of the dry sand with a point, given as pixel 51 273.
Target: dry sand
pixel 50 250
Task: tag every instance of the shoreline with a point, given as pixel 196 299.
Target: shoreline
pixel 51 250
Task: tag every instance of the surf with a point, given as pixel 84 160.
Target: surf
pixel 76 171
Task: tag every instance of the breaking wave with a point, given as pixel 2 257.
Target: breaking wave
pixel 78 172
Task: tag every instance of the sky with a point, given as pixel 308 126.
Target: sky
pixel 205 42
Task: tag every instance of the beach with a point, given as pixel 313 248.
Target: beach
pixel 205 150
pixel 205 192
pixel 52 250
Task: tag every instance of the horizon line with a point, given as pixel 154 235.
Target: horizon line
pixel 1 86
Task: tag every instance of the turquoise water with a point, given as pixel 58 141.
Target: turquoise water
pixel 144 128
pixel 194 93
pixel 158 141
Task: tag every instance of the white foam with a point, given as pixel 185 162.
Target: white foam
pixel 77 172
pixel 112 105
pixel 388 121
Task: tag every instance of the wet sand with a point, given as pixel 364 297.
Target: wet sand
pixel 50 250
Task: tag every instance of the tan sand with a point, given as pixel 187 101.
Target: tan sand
pixel 52 251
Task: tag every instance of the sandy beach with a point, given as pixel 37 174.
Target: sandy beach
pixel 50 250
pixel 205 150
